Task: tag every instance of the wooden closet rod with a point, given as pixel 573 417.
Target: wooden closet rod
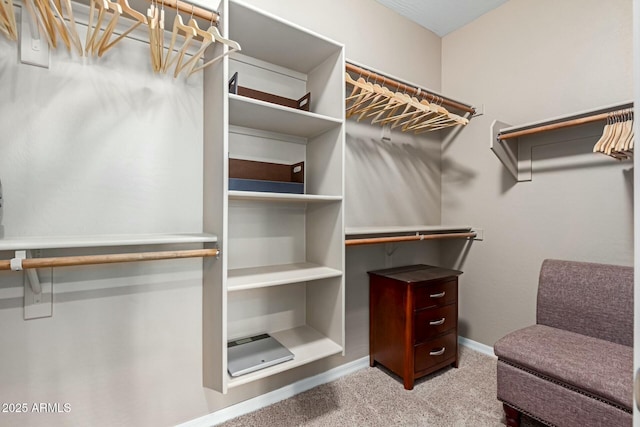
pixel 554 126
pixel 68 261
pixel 409 89
pixel 374 240
pixel 208 15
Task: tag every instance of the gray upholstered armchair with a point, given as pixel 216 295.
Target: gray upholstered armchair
pixel 574 367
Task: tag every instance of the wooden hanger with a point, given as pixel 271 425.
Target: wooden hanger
pixel 155 22
pixel 378 104
pixel 617 147
pixel 606 133
pixel 73 31
pixel 132 13
pixel 365 93
pixel 207 39
pixel 102 6
pixel 43 16
pixel 68 33
pixel 396 100
pixel 187 33
pixel 615 135
pixel 232 46
pixel 437 116
pixel 8 24
pixel 425 112
pixel 375 101
pixel 116 11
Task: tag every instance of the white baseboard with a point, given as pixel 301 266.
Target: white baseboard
pixel 475 345
pixel 275 396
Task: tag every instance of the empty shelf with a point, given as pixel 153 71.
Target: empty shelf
pixel 273 275
pixel 281 197
pixel 256 114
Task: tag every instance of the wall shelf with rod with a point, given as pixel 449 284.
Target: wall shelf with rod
pixel 376 235
pixel 514 149
pixel 38 298
pixel 392 103
pixel 63 242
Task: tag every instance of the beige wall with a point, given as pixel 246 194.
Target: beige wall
pixel 527 61
pixel 373 35
pixel 124 345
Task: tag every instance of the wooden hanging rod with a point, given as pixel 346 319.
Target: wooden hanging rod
pixel 409 89
pixel 184 7
pixel 69 261
pixel 375 240
pixel 596 117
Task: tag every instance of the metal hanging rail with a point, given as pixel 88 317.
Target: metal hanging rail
pixel 393 239
pixel 18 264
pixel 387 81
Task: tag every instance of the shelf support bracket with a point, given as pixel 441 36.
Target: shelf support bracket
pixel 516 159
pixel 38 290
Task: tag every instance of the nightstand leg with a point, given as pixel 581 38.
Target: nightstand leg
pixel 408 383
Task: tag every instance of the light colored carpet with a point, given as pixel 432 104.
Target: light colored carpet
pixel 375 397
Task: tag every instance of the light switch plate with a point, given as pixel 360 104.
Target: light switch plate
pixel 34 48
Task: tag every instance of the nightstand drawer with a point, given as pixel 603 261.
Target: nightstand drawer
pixel 437 294
pixel 436 351
pixel 435 321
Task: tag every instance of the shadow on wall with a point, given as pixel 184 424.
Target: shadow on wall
pixel 455 253
pixel 391 182
pixel 560 151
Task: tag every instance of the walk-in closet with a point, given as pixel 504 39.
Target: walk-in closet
pixel 246 212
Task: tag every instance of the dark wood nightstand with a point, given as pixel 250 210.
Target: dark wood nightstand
pixel 413 320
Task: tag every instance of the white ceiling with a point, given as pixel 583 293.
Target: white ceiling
pixel 442 16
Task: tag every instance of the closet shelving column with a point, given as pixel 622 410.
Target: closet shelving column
pixel 283 254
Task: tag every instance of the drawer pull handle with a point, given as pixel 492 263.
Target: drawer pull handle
pixel 437 352
pixel 440 295
pixel 437 322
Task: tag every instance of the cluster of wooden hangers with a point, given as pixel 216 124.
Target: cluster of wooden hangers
pixel 617 136
pixel 375 102
pixel 162 62
pixel 8 25
pixel 55 20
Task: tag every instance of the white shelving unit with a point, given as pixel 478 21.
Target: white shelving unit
pixel 282 264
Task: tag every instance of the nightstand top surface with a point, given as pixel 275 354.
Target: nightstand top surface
pixel 416 273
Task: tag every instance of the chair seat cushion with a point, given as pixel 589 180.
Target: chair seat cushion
pixel 600 368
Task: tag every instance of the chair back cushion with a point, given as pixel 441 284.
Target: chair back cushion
pixel 587 298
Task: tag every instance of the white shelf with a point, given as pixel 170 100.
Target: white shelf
pixel 256 114
pixel 306 344
pixel 281 197
pixel 370 231
pixel 273 275
pixel 61 242
pixel 269 38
